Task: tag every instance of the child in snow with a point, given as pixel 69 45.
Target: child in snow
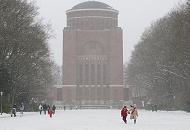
pixel 134 113
pixel 124 113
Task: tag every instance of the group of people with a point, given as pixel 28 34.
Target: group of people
pixel 44 108
pixel 48 108
pixel 154 107
pixel 132 111
pixel 14 110
pixel 51 110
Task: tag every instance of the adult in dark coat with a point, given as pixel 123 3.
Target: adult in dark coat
pixel 53 108
pixel 14 110
pixel 44 108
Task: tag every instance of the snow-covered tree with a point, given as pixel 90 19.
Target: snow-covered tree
pixel 25 66
pixel 161 60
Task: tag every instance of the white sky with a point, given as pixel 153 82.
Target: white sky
pixel 134 17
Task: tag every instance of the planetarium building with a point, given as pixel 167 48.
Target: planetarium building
pixel 92 56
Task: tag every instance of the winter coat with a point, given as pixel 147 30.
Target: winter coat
pixel 22 107
pixel 45 107
pixel 124 112
pixel 14 110
pixel 14 106
pixel 53 108
pixel 134 113
pixel 40 107
pixel 50 112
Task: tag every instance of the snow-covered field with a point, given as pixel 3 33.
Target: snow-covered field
pixel 96 120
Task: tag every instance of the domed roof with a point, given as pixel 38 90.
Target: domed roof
pixel 92 5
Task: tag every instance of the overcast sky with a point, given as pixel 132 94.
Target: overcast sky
pixel 134 17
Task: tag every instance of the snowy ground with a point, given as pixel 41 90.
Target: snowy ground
pixel 96 120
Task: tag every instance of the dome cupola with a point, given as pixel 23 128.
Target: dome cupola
pixel 92 15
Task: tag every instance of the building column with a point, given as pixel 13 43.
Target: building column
pixel 96 80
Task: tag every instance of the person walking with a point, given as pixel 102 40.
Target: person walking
pixel 53 108
pixel 45 107
pixel 134 113
pixel 40 108
pixel 50 112
pixel 21 109
pixel 124 113
pixel 14 110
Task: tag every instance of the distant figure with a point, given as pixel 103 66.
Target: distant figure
pixel 156 107
pixel 22 108
pixel 64 107
pixel 50 112
pixel 48 108
pixel 143 104
pixel 152 107
pixel 53 108
pixel 124 113
pixel 14 110
pixel 44 108
pixel 40 108
pixel 134 113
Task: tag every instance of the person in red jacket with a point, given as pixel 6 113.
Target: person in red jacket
pixel 124 113
pixel 50 112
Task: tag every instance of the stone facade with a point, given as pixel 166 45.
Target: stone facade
pixel 92 56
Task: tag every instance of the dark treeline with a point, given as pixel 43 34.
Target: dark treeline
pixel 160 63
pixel 25 65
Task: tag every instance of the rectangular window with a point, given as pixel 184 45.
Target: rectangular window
pixel 59 94
pixel 86 74
pixel 80 73
pixel 98 74
pixel 104 73
pixel 92 74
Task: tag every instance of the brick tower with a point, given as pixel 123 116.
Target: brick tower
pixel 92 56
